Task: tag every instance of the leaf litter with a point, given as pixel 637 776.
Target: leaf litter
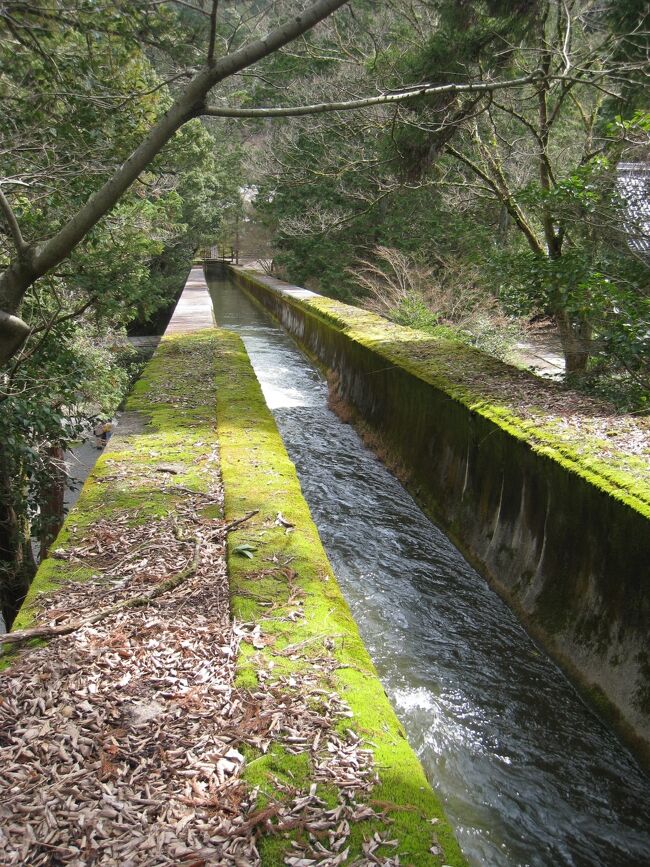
pixel 121 743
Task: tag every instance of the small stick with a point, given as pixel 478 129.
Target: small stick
pixel 293 647
pixel 23 635
pixel 189 491
pixel 231 526
pixel 256 819
pixel 171 583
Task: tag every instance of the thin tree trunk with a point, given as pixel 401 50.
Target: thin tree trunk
pixel 52 505
pixel 17 565
pixel 575 334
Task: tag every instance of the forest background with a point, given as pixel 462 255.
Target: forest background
pixel 487 164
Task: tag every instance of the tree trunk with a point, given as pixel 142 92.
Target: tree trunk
pixel 17 565
pixel 52 505
pixel 575 334
pixel 503 226
pixel 37 259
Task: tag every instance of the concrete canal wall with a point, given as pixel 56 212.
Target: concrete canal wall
pixel 563 538
pixel 198 409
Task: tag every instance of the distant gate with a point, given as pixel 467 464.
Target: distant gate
pixel 211 254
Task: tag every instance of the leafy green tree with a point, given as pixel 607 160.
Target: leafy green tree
pixel 544 154
pixel 44 409
pixel 35 31
pixel 69 369
pixel 546 159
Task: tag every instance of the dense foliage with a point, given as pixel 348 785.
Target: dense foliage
pixel 82 87
pixel 519 198
pixel 444 210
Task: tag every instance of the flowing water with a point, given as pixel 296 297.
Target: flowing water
pixel 528 775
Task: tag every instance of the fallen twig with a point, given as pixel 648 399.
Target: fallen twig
pixel 23 635
pixel 231 526
pixel 207 496
pixel 46 632
pixel 292 648
pixel 255 819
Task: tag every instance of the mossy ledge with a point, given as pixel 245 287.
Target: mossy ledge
pixel 562 536
pixel 289 590
pixel 163 423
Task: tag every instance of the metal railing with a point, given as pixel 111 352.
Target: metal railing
pixel 212 254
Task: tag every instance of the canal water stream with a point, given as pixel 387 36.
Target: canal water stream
pixel 528 775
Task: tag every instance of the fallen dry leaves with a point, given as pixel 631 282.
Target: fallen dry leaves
pixel 121 742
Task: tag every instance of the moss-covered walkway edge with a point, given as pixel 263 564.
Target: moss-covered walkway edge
pixel 199 396
pixel 562 536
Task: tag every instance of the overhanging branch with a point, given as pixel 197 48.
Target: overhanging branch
pixel 365 102
pixel 186 106
pixel 37 261
pixel 12 223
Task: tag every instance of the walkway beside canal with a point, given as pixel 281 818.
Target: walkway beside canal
pixel 174 711
pixel 194 309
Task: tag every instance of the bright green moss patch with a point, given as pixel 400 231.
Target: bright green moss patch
pixel 277 765
pixel 287 589
pixel 559 423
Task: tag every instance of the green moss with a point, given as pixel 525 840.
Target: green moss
pixel 292 570
pixel 487 454
pixel 265 772
pixel 434 362
pixel 277 764
pixel 289 570
pixel 461 372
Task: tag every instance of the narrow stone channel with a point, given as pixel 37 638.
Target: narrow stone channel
pixel 528 775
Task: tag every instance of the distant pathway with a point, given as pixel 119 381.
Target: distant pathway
pixel 194 309
pixel 541 354
pixel 193 312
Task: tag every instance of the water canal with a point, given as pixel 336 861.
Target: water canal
pixel 528 775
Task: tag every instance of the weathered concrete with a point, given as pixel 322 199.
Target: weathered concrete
pixel 194 309
pixel 193 312
pixel 222 418
pixel 566 547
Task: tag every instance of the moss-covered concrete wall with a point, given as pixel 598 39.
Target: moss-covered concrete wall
pixel 284 589
pixel 163 425
pixel 563 538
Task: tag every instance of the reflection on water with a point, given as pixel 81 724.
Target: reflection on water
pixel 527 774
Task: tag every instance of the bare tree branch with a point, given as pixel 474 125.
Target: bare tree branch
pixel 365 102
pixel 504 195
pixel 12 223
pixel 213 30
pixel 36 260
